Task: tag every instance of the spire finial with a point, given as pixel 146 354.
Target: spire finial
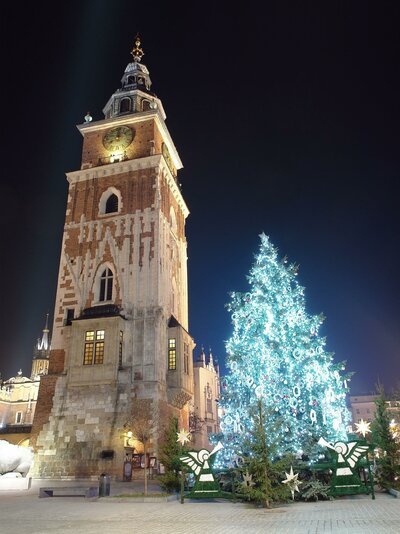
pixel 137 50
pixel 46 328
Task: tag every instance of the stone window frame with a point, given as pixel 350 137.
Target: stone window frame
pixel 97 283
pixel 103 202
pixel 125 99
pixel 94 342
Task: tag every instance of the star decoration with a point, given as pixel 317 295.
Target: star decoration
pixel 292 481
pixel 248 480
pixel 363 427
pixel 183 436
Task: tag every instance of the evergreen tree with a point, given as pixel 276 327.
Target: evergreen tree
pixel 262 477
pixel 276 354
pixel 388 473
pixel 170 452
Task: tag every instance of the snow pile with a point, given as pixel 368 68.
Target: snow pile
pixel 14 458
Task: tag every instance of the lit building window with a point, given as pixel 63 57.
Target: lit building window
pixel 172 354
pixel 94 347
pixel 106 285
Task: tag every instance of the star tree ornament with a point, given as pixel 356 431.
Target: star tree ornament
pixel 292 481
pixel 184 436
pixel 363 427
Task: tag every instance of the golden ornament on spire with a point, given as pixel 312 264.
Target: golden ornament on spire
pixel 137 50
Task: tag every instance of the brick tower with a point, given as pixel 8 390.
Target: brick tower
pixel 120 327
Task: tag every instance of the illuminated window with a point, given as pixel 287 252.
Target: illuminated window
pixel 172 354
pixel 94 347
pixel 112 204
pixel 106 285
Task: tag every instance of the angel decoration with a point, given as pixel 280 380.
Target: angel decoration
pixel 200 462
pixel 349 457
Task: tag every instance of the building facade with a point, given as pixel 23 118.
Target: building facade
pixel 18 396
pixel 120 329
pixel 363 407
pixel 205 400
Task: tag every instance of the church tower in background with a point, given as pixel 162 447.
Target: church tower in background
pixel 120 328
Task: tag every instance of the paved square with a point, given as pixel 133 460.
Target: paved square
pixel 24 512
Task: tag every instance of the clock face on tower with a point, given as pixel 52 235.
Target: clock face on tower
pixel 118 138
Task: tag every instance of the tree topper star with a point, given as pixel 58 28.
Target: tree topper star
pixel 183 436
pixel 363 427
pixel 292 482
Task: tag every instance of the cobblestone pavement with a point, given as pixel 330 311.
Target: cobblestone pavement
pixel 24 512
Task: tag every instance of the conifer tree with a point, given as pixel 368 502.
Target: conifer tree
pixel 277 354
pixel 262 477
pixel 388 473
pixel 170 453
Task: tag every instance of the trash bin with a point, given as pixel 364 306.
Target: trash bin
pixel 104 485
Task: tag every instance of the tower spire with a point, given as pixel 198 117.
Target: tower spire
pixel 43 344
pixel 137 50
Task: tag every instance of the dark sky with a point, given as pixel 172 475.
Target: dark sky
pixel 287 122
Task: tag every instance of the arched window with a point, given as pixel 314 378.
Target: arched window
pixel 106 285
pixel 145 105
pixel 125 105
pixel 110 201
pixel 112 204
pixel 130 80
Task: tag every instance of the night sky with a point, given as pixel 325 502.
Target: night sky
pixel 287 122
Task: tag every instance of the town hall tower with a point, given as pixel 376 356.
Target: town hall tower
pixel 120 328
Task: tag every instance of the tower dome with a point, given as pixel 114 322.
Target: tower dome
pixel 134 95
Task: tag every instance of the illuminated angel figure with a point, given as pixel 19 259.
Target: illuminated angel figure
pixel 200 463
pixel 348 456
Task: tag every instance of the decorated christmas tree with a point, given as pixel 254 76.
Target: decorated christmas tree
pixel 276 354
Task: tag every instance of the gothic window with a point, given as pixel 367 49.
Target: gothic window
pixel 172 354
pixel 106 285
pixel 110 201
pixel 94 347
pixel 112 204
pixel 121 339
pixel 125 105
pixel 145 105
